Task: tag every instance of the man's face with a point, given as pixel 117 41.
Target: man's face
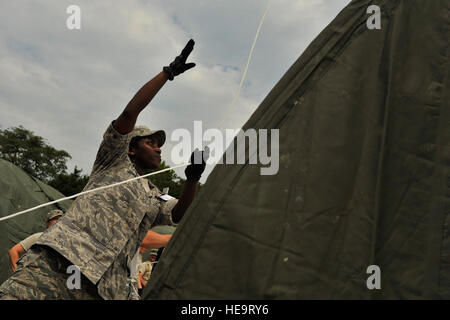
pixel 147 155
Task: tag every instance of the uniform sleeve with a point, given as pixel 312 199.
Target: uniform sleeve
pixel 28 242
pixel 164 217
pixel 114 148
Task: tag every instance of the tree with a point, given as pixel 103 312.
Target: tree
pixel 32 154
pixel 70 184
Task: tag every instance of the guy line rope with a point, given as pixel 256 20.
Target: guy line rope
pixel 89 191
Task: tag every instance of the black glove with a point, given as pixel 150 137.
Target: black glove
pixel 179 65
pixel 195 169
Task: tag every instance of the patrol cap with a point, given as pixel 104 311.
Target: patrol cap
pixel 53 214
pixel 144 131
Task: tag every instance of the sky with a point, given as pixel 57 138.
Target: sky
pixel 68 85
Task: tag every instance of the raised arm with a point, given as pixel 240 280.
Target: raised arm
pixel 125 122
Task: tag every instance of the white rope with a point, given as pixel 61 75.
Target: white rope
pixel 246 67
pixel 88 191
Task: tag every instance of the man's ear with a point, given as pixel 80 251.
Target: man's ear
pixel 131 150
pixel 134 144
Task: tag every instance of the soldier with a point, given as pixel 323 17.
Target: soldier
pixel 102 230
pixel 24 245
pixel 152 241
pixel 145 268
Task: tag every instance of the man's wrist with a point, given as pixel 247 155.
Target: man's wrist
pixel 169 73
pixel 164 75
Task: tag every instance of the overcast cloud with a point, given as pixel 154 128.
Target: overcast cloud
pixel 68 85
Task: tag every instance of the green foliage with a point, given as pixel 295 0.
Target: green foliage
pixel 70 184
pixel 32 154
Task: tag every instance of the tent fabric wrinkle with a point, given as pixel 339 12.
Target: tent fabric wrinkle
pixel 363 179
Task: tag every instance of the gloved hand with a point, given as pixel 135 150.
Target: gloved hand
pixel 198 163
pixel 179 65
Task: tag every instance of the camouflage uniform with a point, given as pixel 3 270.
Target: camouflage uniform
pixel 41 274
pixel 28 242
pixel 102 230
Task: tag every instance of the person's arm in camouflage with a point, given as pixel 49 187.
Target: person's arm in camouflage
pixel 193 173
pixel 186 198
pixel 124 124
pixel 14 255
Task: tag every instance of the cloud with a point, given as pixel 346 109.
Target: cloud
pixel 68 85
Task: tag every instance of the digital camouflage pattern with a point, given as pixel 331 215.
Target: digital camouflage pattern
pixel 49 283
pixel 102 230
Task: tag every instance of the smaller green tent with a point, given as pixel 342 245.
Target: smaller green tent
pixel 20 191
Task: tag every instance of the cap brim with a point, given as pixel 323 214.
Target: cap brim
pixel 51 218
pixel 160 135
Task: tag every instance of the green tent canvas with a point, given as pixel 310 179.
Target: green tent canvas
pixel 364 120
pixel 20 191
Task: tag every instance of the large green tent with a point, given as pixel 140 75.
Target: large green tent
pixel 364 120
pixel 20 191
